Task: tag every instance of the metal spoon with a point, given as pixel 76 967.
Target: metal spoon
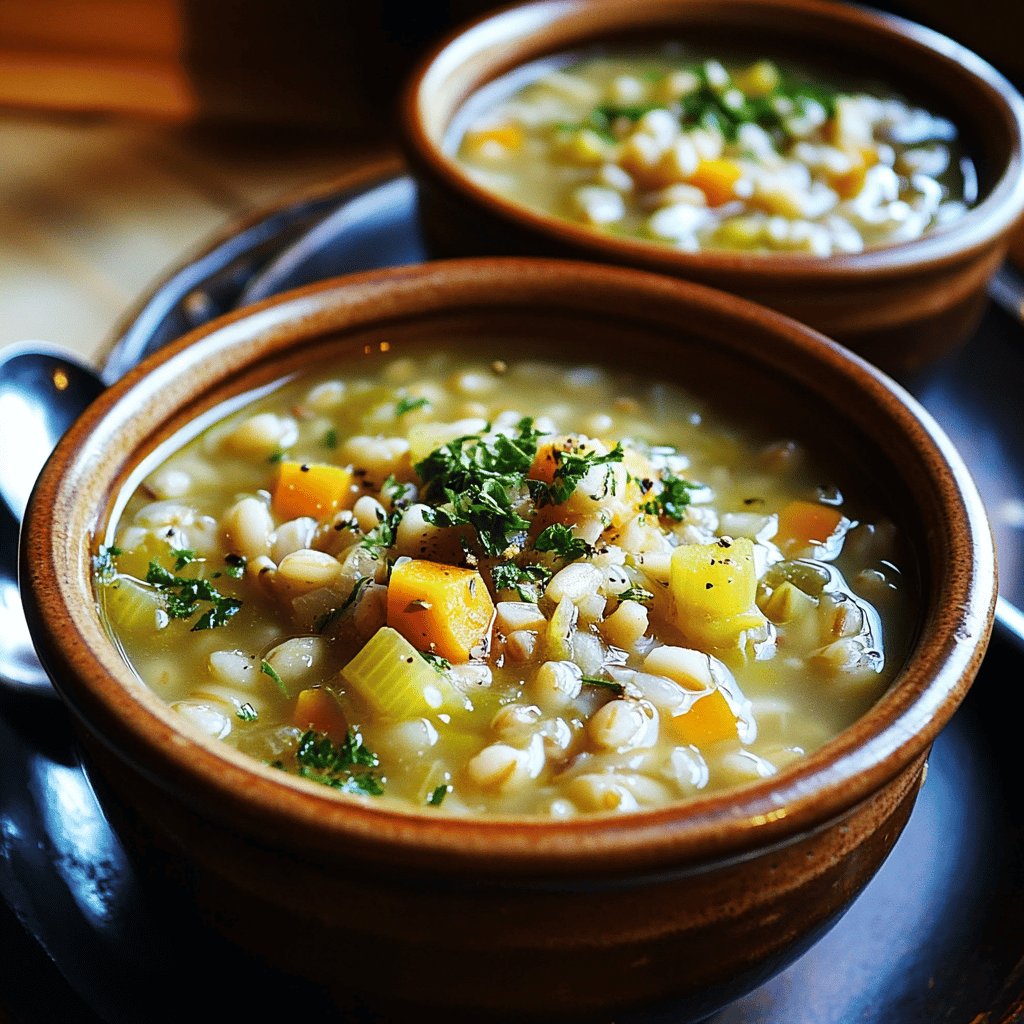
pixel 42 391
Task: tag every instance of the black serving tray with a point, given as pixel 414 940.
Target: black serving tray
pixel 936 938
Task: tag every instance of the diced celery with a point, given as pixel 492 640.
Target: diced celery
pixel 787 602
pixel 131 605
pixel 391 676
pixel 558 644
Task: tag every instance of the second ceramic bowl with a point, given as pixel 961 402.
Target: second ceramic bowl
pixel 899 305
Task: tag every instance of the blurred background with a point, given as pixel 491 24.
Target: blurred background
pixel 130 130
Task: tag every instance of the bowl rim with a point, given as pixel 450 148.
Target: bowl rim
pixel 991 218
pixel 124 715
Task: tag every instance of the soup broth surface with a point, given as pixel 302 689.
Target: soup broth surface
pixel 697 153
pixel 504 586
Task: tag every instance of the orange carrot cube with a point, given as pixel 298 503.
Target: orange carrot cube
pixel 440 608
pixel 545 462
pixel 717 180
pixel 709 720
pixel 311 489
pixel 509 137
pixel 805 524
pixel 318 709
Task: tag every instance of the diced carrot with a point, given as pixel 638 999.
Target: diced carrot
pixel 848 183
pixel 318 709
pixel 717 180
pixel 440 608
pixel 508 136
pixel 709 720
pixel 545 462
pixel 311 489
pixel 806 523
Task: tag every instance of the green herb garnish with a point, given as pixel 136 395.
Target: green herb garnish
pixel 268 670
pixel 404 405
pixel 247 713
pixel 572 467
pixel 510 576
pixel 183 595
pixel 235 566
pixel 606 114
pixel 394 491
pixel 636 594
pixel 103 564
pixel 183 556
pixel 481 480
pixel 609 684
pixel 278 456
pixel 672 499
pixel 436 662
pixel 382 536
pixel 330 438
pixel 559 539
pixel 438 795
pixel 321 760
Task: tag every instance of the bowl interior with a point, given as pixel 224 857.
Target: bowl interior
pixel 867 47
pixel 750 362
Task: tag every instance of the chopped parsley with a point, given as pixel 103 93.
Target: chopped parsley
pixel 489 510
pixel 482 481
pixel 235 566
pixel 247 713
pixel 183 556
pixel 572 467
pixel 602 117
pixel 330 438
pixel 672 499
pixel 404 405
pixel 395 492
pixel 559 539
pixel 103 564
pixel 183 595
pixel 435 661
pixel 382 536
pixel 338 765
pixel 510 576
pixel 438 795
pixel 268 670
pixel 636 594
pixel 724 109
pixel 278 456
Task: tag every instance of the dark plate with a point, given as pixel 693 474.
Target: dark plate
pixel 936 938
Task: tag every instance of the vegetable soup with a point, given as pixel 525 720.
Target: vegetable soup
pixel 706 155
pixel 504 586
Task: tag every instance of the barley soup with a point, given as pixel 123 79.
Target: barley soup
pixel 504 587
pixel 700 155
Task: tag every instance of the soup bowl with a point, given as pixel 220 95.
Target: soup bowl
pixel 899 305
pixel 679 908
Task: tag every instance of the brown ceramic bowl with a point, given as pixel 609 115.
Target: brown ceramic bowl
pixel 686 906
pixel 899 306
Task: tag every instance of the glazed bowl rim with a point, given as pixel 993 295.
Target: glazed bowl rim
pixel 987 220
pixel 125 715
